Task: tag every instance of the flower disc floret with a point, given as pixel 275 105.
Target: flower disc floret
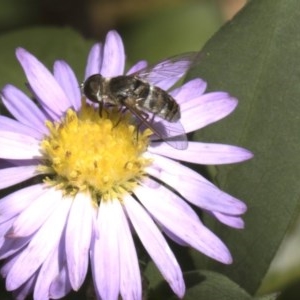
pixel 101 154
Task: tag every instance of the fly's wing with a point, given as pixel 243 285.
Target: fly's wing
pixel 171 133
pixel 168 71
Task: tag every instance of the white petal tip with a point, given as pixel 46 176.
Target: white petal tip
pixel 21 52
pixel 247 154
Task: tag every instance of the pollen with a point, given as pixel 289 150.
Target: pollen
pixel 101 154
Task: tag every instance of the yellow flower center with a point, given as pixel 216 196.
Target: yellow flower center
pixel 102 155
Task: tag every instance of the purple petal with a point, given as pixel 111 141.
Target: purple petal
pixel 78 239
pixel 43 84
pixel 5 226
pixel 113 55
pixel 40 246
pixel 60 286
pixel 232 221
pixel 204 153
pixel 105 252
pixel 190 90
pixel 4 242
pixel 137 67
pixel 5 268
pixel 11 176
pixel 18 146
pixel 206 109
pixel 48 271
pixel 172 236
pixel 12 246
pixel 34 216
pixel 23 108
pixel 199 191
pixel 155 243
pixel 66 77
pixel 16 202
pixel 165 163
pixel 94 62
pixel 8 124
pixel 9 247
pixel 22 292
pixel 130 276
pixel 178 217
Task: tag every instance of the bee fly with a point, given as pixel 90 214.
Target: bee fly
pixel 140 93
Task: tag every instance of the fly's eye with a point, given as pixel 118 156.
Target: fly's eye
pixel 92 87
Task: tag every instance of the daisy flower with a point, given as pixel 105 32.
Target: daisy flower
pixel 92 183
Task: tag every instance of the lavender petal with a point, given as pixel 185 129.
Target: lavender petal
pixel 176 215
pixel 48 271
pixel 205 153
pixel 137 67
pixel 199 191
pixel 22 292
pixel 199 112
pixel 12 176
pixel 40 80
pixel 190 90
pixel 78 239
pixel 60 286
pixel 113 55
pixel 66 77
pixel 40 246
pixel 232 221
pixel 8 124
pixel 23 108
pixel 16 202
pixel 105 253
pixel 154 243
pixel 18 146
pixel 94 61
pixel 35 215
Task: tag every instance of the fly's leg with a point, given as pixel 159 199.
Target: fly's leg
pixel 139 124
pixel 100 109
pixel 121 112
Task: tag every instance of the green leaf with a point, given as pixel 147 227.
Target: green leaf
pixel 269 297
pixel 47 44
pixel 255 57
pixel 204 285
pixel 285 268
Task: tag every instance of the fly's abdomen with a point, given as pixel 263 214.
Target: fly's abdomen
pixel 161 104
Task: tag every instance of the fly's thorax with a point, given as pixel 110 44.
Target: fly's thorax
pixel 128 88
